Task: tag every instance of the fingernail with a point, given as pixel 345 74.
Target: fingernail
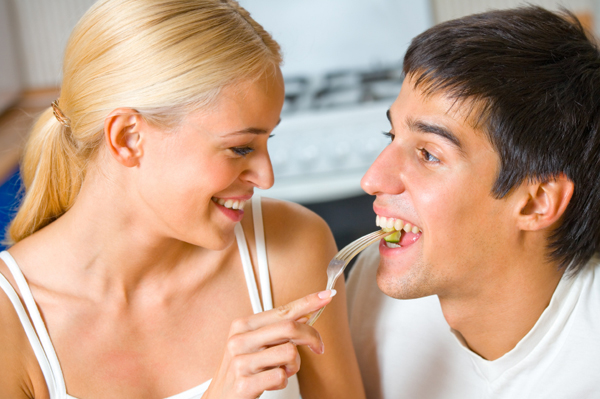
pixel 302 319
pixel 322 348
pixel 326 294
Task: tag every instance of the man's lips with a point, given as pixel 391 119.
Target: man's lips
pixel 407 232
pixel 406 241
pixel 388 219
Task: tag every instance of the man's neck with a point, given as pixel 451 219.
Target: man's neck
pixel 493 322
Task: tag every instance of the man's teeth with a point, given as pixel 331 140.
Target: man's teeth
pixel 231 204
pixel 390 224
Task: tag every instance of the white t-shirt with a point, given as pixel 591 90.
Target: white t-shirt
pixel 406 349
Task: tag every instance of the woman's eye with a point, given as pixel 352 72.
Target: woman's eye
pixel 389 134
pixel 242 151
pixel 427 157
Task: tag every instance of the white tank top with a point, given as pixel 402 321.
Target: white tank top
pixel 46 355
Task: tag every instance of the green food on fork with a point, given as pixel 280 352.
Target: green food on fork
pixel 394 237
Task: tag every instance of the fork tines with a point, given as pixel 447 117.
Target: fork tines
pixel 359 244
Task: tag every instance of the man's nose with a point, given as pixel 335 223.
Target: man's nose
pixel 385 174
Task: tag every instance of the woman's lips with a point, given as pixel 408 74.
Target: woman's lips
pixel 227 207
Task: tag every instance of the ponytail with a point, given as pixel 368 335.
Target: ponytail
pixel 52 176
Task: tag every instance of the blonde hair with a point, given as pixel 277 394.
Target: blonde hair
pixel 161 58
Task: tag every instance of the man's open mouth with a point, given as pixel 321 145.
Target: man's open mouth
pixel 404 233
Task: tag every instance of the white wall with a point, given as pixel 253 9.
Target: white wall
pixel 10 80
pixel 354 33
pixel 444 10
pixel 316 35
pixel 325 35
pixel 42 29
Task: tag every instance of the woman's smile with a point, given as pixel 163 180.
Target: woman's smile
pixel 233 208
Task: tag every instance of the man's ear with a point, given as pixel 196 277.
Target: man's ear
pixel 544 202
pixel 123 134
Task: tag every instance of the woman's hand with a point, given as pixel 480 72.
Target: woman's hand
pixel 261 349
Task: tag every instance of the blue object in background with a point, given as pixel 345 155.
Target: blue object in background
pixel 10 194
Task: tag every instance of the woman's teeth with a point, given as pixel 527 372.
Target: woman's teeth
pixel 388 224
pixel 231 204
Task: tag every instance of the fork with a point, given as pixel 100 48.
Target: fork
pixel 341 259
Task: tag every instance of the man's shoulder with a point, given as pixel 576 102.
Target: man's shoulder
pixel 587 309
pixel 585 288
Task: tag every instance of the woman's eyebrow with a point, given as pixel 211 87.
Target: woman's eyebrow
pixel 253 130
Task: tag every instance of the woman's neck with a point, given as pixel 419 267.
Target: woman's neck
pixel 112 247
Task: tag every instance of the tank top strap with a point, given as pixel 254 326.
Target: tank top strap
pixel 36 332
pixel 247 266
pixel 261 253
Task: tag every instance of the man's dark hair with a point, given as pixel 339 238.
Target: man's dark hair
pixel 535 76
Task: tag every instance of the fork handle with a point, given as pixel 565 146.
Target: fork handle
pixel 314 317
pixel 347 253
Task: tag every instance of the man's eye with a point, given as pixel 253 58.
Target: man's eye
pixel 242 151
pixel 427 157
pixel 389 134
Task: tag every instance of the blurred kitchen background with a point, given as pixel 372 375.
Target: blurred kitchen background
pixel 342 70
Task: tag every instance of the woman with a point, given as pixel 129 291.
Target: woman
pixel 133 255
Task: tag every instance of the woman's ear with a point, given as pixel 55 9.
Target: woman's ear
pixel 123 130
pixel 544 203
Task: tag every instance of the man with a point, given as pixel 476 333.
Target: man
pixel 493 170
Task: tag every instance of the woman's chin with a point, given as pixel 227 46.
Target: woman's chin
pixel 218 241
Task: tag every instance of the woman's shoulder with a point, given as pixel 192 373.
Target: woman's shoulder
pixel 292 229
pixel 299 246
pixel 284 216
pixel 19 372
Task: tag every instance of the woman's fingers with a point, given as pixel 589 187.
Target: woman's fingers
pixel 292 311
pixel 285 356
pixel 253 386
pixel 261 350
pixel 250 374
pixel 275 334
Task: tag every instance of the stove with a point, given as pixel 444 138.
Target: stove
pixel 330 132
pixel 342 70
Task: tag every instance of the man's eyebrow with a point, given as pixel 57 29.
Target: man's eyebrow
pixel 253 130
pixel 419 126
pixel 424 127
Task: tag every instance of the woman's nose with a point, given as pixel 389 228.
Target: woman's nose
pixel 384 176
pixel 260 172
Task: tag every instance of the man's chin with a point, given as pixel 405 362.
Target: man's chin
pixel 401 286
